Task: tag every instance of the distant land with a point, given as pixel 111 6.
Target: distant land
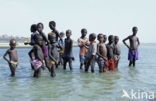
pixel 4 41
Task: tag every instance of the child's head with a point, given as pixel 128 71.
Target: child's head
pixel 83 32
pixel 40 27
pixel 33 28
pixel 52 25
pixel 105 38
pixel 135 30
pixel 12 43
pixel 39 40
pixel 100 37
pixel 92 37
pixel 62 34
pixel 111 39
pixel 116 39
pixel 68 33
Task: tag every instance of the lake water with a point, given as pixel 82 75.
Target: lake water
pixel 77 85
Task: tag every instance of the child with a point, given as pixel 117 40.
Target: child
pixel 61 51
pixel 133 48
pixel 117 51
pixel 45 42
pixel 53 53
pixel 13 61
pixel 83 43
pixel 33 30
pixel 105 38
pixel 39 56
pixel 68 54
pixel 110 53
pixel 91 53
pixel 52 26
pixel 102 53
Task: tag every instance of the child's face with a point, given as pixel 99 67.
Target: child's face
pixel 135 30
pixel 111 39
pixel 101 38
pixel 40 28
pixel 13 45
pixel 68 34
pixel 62 36
pixel 116 40
pixel 105 38
pixel 84 33
pixel 51 27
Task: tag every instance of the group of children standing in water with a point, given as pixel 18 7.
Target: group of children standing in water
pixel 55 50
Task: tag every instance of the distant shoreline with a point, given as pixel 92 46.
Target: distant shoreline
pixel 21 45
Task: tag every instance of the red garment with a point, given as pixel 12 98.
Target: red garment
pixel 110 65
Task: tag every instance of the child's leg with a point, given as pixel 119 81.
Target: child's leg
pixel 12 69
pixel 112 65
pixel 37 72
pixel 130 62
pixel 87 64
pixel 82 58
pixel 133 62
pixel 65 63
pixel 53 71
pixel 70 64
pixel 117 63
pixel 93 64
pixel 30 55
pixel 100 69
pixel 46 62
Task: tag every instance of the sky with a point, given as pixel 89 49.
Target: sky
pixel 110 17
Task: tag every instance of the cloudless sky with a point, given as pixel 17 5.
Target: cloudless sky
pixel 115 17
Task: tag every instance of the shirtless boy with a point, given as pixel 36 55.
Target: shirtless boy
pixel 133 48
pixel 110 53
pixel 13 58
pixel 102 53
pixel 117 51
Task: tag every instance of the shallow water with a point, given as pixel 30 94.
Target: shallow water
pixel 77 85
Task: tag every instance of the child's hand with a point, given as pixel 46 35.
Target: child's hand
pixel 9 62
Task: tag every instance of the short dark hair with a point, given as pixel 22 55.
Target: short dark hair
pixel 93 35
pixel 40 24
pixel 134 28
pixel 52 23
pixel 33 28
pixel 110 36
pixel 83 29
pixel 68 31
pixel 100 34
pixel 12 40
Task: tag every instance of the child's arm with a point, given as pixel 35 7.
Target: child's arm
pixel 124 41
pixel 100 54
pixel 49 53
pixel 138 42
pixel 45 38
pixel 7 52
pixel 30 54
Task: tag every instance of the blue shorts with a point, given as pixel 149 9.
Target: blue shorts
pixel 82 59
